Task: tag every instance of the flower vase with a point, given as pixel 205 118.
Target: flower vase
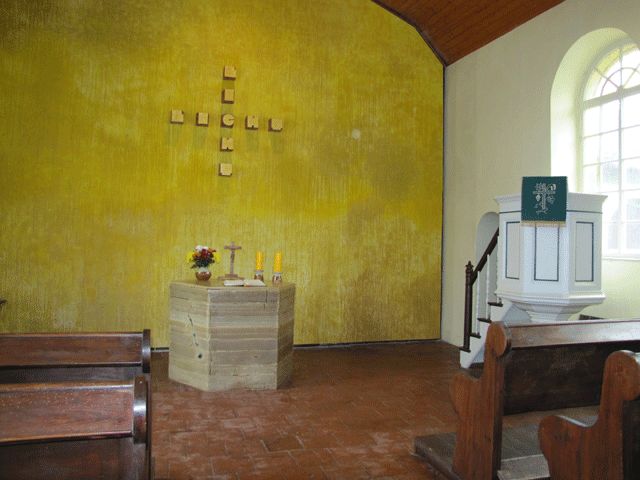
pixel 203 274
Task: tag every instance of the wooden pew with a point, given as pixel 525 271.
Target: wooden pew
pixel 42 357
pixel 591 452
pixel 531 367
pixel 75 430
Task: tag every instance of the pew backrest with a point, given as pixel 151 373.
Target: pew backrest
pixel 552 366
pixel 530 367
pixel 75 430
pixel 39 357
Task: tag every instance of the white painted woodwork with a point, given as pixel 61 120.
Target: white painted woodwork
pixel 547 253
pixel 551 271
pixel 584 249
pixel 512 259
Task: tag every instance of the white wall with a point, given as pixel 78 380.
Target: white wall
pixel 497 129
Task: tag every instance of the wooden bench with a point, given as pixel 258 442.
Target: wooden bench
pixel 42 357
pixel 75 430
pixel 527 368
pixel 574 449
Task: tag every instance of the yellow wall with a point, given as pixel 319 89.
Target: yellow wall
pixel 101 197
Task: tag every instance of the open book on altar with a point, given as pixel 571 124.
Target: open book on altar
pixel 244 283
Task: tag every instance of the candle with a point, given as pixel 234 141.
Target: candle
pixel 277 262
pixel 259 260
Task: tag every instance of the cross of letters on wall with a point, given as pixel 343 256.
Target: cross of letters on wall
pixel 228 120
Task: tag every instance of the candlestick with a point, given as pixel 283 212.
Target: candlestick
pixel 277 262
pixel 259 260
pixel 277 269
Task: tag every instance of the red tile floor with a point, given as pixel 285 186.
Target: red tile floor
pixel 349 413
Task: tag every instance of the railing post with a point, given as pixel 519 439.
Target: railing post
pixel 487 289
pixel 471 275
pixel 478 310
pixel 468 302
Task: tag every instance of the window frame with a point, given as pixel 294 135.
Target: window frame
pixel 581 107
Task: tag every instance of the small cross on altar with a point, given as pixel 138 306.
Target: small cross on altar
pixel 233 247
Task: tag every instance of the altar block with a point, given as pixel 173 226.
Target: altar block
pixel 230 337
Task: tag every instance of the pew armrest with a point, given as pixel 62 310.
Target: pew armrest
pixel 463 390
pixel 146 351
pixel 141 410
pixel 560 444
pixel 577 450
pixel 479 406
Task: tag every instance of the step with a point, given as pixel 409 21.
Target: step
pixel 530 467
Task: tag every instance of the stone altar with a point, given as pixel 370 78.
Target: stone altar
pixel 230 337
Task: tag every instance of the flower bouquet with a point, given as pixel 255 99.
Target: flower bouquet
pixel 200 259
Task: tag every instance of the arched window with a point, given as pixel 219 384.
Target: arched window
pixel 609 163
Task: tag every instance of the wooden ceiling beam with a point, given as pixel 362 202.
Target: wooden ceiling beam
pixel 385 4
pixel 455 28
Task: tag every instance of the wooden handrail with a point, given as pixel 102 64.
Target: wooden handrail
pixel 471 275
pixel 487 251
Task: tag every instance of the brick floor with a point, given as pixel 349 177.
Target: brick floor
pixel 349 413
